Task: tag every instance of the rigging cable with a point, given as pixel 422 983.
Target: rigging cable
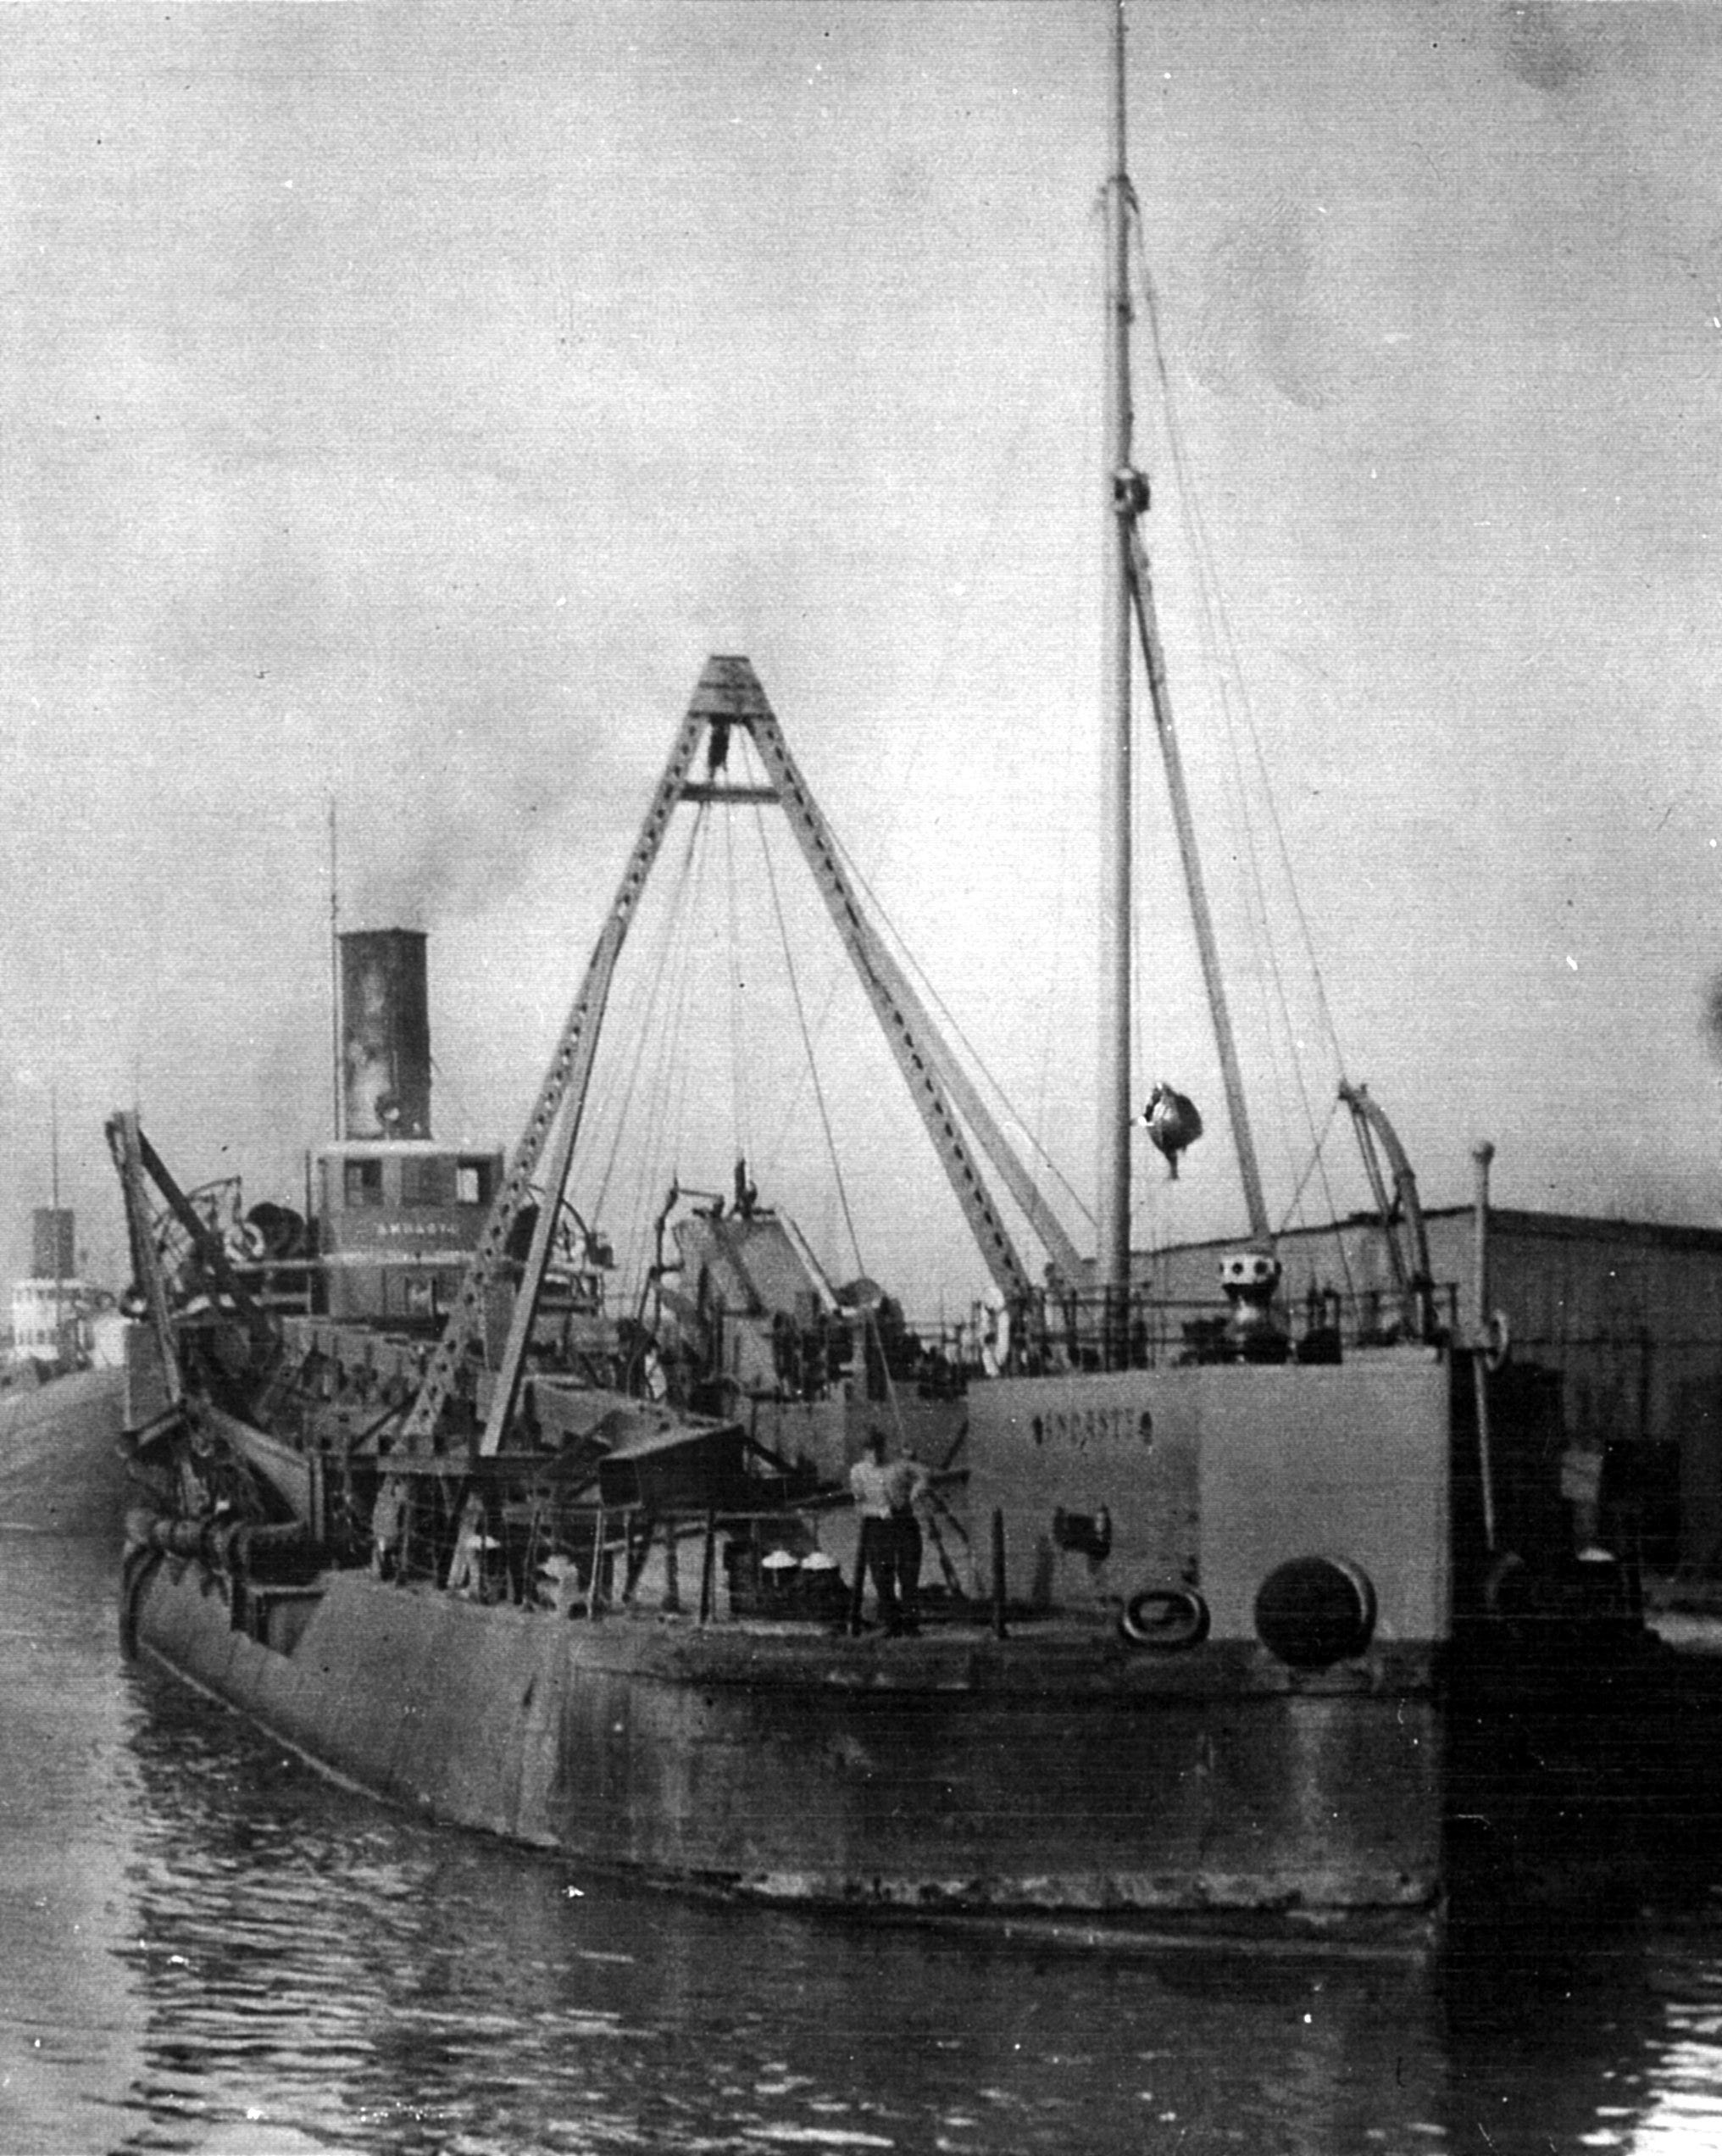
pixel 883 920
pixel 1237 708
pixel 1214 608
pixel 872 1333
pixel 674 1069
pixel 810 1064
pixel 738 1117
pixel 1315 1158
pixel 669 970
pixel 627 1094
pixel 1010 457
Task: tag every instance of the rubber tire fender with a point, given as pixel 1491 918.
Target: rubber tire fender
pixel 1165 1619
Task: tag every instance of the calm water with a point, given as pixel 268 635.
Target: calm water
pixel 204 1947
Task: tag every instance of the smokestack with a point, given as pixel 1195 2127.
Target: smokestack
pixel 385 1035
pixel 52 1244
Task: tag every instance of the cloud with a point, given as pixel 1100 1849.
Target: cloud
pixel 1270 310
pixel 1542 48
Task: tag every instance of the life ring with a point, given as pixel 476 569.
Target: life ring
pixel 1315 1611
pixel 1497 1340
pixel 1165 1619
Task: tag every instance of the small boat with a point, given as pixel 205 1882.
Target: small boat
pixel 1263 1614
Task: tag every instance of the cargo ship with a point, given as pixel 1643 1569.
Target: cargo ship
pixel 1266 1614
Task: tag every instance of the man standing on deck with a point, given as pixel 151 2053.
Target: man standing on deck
pixel 887 1498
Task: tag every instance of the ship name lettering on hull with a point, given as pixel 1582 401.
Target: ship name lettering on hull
pixel 1079 1428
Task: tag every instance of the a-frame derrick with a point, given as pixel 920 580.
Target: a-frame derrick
pixel 728 696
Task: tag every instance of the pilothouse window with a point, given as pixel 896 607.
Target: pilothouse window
pixel 363 1183
pixel 428 1182
pixel 473 1182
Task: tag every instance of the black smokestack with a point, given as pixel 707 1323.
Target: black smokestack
pixel 385 1035
pixel 51 1243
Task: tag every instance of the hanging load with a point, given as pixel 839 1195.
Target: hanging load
pixel 1173 1122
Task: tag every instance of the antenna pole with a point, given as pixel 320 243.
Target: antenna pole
pixel 53 1130
pixel 334 976
pixel 1113 1163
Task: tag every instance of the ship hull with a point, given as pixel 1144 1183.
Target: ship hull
pixel 62 1464
pixel 1054 1775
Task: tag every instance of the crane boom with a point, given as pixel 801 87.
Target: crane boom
pixel 935 1080
pixel 1413 1275
pixel 564 1086
pixel 728 695
pixel 125 1143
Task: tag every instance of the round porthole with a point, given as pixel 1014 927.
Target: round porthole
pixel 1165 1619
pixel 1314 1611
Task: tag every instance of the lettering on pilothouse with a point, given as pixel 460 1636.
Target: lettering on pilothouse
pixel 1079 1428
pixel 432 1227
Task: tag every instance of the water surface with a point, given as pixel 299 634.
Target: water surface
pixel 208 1949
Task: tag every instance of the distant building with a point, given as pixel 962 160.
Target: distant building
pixel 49 1323
pixel 51 1309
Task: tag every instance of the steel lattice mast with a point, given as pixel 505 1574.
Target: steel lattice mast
pixel 956 1119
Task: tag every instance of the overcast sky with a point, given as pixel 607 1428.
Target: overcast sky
pixel 396 406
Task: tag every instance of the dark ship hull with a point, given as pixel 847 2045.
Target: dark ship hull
pixel 1027 1766
pixel 1054 1774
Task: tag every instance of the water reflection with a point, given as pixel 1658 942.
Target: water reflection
pixel 70 2024
pixel 269 1965
pixel 411 1989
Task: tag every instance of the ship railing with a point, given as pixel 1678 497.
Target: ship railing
pixel 716 1562
pixel 743 1563
pixel 1059 1329
pixel 872 1349
pixel 285 1285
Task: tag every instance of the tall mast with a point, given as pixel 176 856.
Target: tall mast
pixel 1113 1166
pixel 335 1074
pixel 53 1126
pixel 1129 590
